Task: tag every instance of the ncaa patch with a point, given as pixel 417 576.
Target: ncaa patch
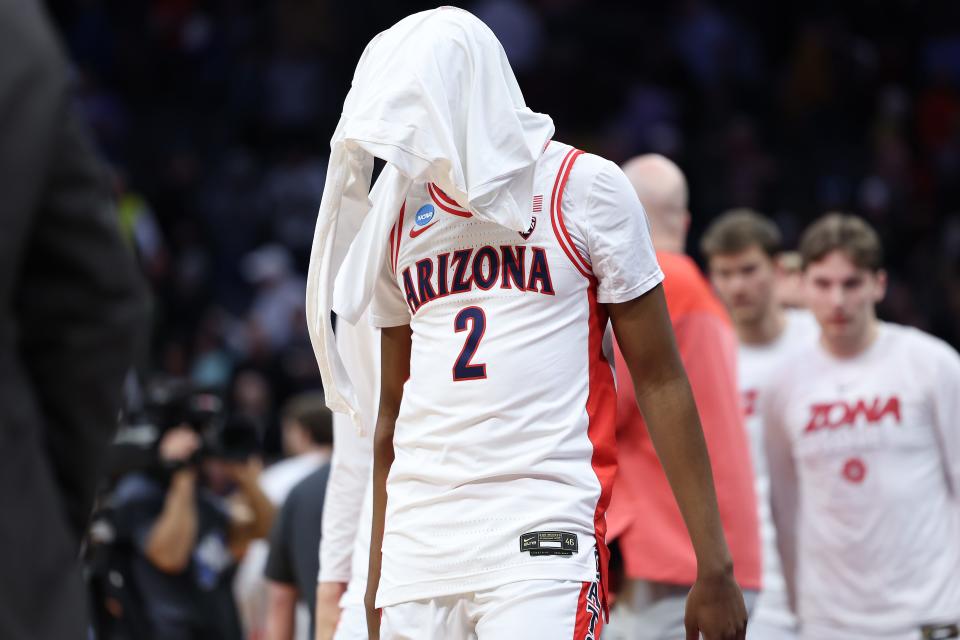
pixel 424 215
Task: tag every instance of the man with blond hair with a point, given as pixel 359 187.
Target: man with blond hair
pixel 863 442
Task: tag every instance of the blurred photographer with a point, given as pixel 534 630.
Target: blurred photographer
pixel 186 521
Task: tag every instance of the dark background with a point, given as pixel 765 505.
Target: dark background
pixel 216 117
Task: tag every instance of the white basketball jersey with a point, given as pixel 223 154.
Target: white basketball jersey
pixel 874 444
pixel 505 449
pixel 758 365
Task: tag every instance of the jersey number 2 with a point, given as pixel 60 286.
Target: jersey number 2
pixel 462 368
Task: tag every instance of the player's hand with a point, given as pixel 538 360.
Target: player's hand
pixel 373 614
pixel 328 609
pixel 715 609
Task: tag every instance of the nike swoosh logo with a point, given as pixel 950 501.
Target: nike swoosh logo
pixel 415 232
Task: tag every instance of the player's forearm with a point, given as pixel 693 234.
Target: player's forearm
pixel 671 416
pixel 383 455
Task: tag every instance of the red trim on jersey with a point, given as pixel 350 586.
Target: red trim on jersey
pixel 588 622
pixel 445 202
pixel 602 395
pixel 393 232
pixel 556 215
pixel 398 236
pixel 582 621
pixel 601 412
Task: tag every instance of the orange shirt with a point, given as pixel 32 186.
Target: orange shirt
pixel 643 512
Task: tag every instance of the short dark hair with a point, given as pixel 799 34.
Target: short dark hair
pixel 739 229
pixel 842 232
pixel 310 411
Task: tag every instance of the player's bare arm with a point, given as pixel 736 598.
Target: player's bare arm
pixel 395 369
pixel 715 605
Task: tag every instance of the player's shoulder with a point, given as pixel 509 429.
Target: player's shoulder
pixel 917 343
pixel 585 168
pixel 596 187
pixel 598 172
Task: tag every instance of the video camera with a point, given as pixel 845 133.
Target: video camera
pixel 174 403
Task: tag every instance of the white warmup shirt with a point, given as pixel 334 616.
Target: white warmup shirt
pixel 873 443
pixel 758 365
pixel 347 510
pixel 506 428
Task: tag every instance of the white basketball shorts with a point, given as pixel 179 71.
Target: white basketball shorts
pixel 353 623
pixel 529 609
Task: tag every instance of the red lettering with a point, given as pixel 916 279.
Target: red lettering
pixel 834 415
pixel 750 402
pixel 892 407
pixel 819 417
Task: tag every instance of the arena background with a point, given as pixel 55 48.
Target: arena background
pixel 216 117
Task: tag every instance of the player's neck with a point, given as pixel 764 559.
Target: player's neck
pixel 764 330
pixel 853 346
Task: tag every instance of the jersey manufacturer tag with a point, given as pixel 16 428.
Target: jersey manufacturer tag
pixel 549 543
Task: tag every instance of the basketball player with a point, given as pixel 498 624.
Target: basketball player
pixel 659 563
pixel 863 442
pixel 741 248
pixel 495 434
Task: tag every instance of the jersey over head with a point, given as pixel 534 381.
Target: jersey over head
pixel 506 427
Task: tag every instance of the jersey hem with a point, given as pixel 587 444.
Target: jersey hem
pixel 465 584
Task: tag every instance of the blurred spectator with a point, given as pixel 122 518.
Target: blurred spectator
pixel 293 563
pixel 278 302
pixel 788 286
pixel 72 307
pixel 187 528
pixel 291 195
pixel 308 444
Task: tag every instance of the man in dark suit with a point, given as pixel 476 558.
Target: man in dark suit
pixel 70 304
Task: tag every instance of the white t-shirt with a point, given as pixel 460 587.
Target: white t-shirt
pixel 758 365
pixel 249 585
pixel 867 450
pixel 506 428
